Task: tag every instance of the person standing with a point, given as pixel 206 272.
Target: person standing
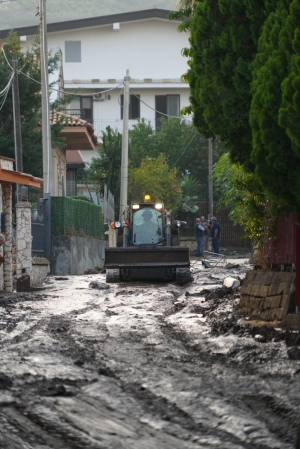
pixel 199 230
pixel 209 240
pixel 215 234
pixel 205 237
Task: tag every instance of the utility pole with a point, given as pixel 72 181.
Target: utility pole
pixel 46 130
pixel 17 122
pixel 124 164
pixel 210 180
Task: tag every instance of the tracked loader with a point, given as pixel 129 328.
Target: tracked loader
pixel 147 247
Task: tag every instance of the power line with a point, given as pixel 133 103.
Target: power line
pixel 186 148
pixel 6 90
pixel 8 85
pixel 155 110
pixel 5 56
pixel 72 93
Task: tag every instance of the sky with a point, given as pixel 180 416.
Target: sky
pixel 20 13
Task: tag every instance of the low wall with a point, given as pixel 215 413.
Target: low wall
pixel 268 295
pixel 75 255
pixel 39 271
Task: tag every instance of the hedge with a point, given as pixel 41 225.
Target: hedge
pixel 76 217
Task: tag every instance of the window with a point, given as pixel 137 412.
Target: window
pixel 72 51
pixel 71 182
pixel 81 107
pixel 166 104
pixel 134 107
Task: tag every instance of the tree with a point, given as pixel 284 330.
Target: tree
pixel 155 178
pixel 30 105
pixel 190 187
pixel 275 104
pixel 140 142
pixel 224 36
pixel 182 145
pixel 241 191
pixel 106 169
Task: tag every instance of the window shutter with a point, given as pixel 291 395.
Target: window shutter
pixel 72 51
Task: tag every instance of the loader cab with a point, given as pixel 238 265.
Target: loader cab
pixel 147 224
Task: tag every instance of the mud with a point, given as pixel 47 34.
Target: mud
pixel 144 366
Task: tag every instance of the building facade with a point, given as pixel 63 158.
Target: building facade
pixel 96 53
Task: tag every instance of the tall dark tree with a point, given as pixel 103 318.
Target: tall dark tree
pixel 224 36
pixel 30 105
pixel 275 106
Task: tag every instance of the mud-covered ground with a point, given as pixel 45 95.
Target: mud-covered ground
pixel 144 366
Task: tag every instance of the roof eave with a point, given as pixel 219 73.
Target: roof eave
pixel 154 13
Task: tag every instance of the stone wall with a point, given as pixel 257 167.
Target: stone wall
pixel 75 255
pixel 267 295
pixel 23 238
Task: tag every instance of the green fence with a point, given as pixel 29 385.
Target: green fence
pixel 71 216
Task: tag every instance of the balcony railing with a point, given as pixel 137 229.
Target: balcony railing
pixel 75 112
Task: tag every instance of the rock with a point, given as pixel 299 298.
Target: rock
pixel 230 282
pixel 23 283
pixel 294 353
pixel 231 265
pixel 98 285
pixel 260 338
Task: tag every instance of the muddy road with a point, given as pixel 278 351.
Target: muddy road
pixel 143 366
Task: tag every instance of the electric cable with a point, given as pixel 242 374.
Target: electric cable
pixel 72 93
pixel 8 85
pixel 7 90
pixel 5 56
pixel 155 110
pixel 31 51
pixel 185 148
pixel 119 97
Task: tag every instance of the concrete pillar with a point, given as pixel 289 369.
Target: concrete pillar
pixel 23 238
pixel 7 265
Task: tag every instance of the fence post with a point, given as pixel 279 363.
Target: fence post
pixel 47 228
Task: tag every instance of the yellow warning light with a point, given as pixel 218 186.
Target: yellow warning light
pixel 147 198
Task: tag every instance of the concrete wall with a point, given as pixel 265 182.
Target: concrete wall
pixel 75 255
pixel 39 271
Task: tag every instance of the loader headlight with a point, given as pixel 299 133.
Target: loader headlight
pixel 116 225
pixel 158 206
pixel 135 206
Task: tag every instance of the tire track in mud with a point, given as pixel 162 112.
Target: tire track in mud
pixel 56 412
pixel 279 415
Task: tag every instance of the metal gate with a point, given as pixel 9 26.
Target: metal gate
pixel 38 231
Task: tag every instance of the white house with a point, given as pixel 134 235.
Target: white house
pixel 95 54
pixel 98 50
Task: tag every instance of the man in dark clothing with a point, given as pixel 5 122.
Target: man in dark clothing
pixel 215 234
pixel 199 229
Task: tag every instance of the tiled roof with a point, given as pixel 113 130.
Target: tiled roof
pixel 71 120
